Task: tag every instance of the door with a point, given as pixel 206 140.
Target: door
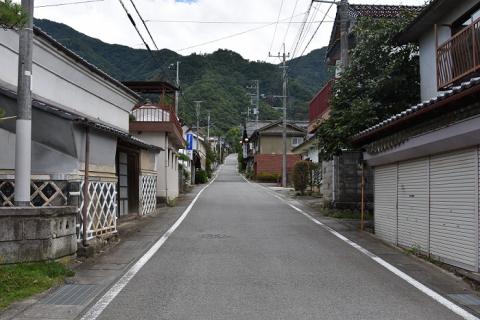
pixel 453 208
pixel 413 204
pixel 133 183
pixel 122 165
pixel 385 202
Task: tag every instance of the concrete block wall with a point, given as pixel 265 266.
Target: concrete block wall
pixel 37 234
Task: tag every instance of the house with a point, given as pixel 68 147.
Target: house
pixel 196 150
pixel 157 123
pixel 426 158
pixel 265 146
pixel 341 185
pixel 76 107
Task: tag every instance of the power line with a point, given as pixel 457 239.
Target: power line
pixel 290 22
pixel 144 24
pixel 316 30
pixel 66 3
pixel 233 35
pixel 276 25
pixel 301 31
pixel 227 22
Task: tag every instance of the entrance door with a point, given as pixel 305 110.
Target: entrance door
pixel 122 166
pixel 133 183
pixel 128 182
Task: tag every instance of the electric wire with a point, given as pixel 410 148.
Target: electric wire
pixel 144 24
pixel 276 26
pixel 65 4
pixel 290 22
pixel 227 22
pixel 309 27
pixel 316 30
pixel 302 27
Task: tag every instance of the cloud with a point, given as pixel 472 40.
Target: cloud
pixel 171 23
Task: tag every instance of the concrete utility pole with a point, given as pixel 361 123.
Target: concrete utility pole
pixel 284 57
pixel 197 111
pixel 257 105
pixel 208 127
pixel 23 142
pixel 177 92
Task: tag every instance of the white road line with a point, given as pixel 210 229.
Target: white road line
pixel 420 286
pixel 108 297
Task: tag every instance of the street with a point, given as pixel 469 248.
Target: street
pixel 242 254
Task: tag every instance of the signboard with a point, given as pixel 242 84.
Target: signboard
pixel 189 141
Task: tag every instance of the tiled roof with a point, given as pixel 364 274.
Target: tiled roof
pixel 418 108
pixel 381 11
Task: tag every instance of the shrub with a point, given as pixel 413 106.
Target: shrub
pixel 301 176
pixel 201 177
pixel 267 177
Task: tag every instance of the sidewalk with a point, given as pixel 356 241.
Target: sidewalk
pixel 95 276
pixel 443 282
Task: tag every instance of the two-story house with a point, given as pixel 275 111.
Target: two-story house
pixel 79 113
pixel 265 146
pixel 426 158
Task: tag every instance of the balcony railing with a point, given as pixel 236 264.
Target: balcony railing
pixel 459 56
pixel 157 114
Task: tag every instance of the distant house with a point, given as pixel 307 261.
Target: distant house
pixel 73 100
pixel 157 123
pixel 197 150
pixel 265 146
pixel 426 158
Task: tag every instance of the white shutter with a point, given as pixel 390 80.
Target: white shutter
pixel 413 204
pixel 385 203
pixel 453 208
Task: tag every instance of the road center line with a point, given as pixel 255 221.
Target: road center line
pixel 108 297
pixel 420 286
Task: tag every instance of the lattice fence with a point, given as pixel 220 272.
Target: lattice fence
pixel 102 209
pixel 42 193
pixel 148 194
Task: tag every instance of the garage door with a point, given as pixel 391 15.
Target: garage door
pixel 413 204
pixel 385 203
pixel 453 213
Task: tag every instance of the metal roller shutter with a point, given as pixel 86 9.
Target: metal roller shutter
pixel 413 204
pixel 453 208
pixel 385 203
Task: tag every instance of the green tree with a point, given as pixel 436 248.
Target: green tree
pixel 381 80
pixel 12 15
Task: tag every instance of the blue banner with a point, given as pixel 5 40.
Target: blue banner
pixel 189 141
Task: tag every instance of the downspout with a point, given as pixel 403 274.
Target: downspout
pixel 86 200
pixel 333 181
pixel 362 216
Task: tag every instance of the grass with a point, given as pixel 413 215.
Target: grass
pixel 21 281
pixel 345 214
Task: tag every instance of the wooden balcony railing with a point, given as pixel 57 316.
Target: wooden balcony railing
pixel 459 56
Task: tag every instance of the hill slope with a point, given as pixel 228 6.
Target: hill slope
pixel 219 79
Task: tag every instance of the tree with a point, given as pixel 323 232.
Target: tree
pixel 381 80
pixel 12 15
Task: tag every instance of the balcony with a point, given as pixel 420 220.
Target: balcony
pixel 459 57
pixel 157 118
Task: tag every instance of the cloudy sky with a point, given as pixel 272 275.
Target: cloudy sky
pixel 246 26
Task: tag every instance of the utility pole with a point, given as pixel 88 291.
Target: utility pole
pixel 208 127
pixel 197 111
pixel 342 7
pixel 177 92
pixel 284 57
pixel 257 105
pixel 23 125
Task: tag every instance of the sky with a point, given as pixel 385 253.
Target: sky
pixel 246 26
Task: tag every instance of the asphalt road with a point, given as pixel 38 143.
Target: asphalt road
pixel 243 254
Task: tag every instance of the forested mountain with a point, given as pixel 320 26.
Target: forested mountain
pixel 220 79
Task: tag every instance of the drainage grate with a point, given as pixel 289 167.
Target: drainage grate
pixel 465 299
pixel 72 294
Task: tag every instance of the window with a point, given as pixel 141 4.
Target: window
pixel 466 20
pixel 296 141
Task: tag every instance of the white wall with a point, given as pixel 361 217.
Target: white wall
pixel 167 181
pixel 57 79
pixel 428 68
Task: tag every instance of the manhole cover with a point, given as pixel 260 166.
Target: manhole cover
pixel 465 299
pixel 214 236
pixel 72 294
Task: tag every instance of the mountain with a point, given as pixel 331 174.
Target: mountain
pixel 219 79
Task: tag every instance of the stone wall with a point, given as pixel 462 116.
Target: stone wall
pixel 37 234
